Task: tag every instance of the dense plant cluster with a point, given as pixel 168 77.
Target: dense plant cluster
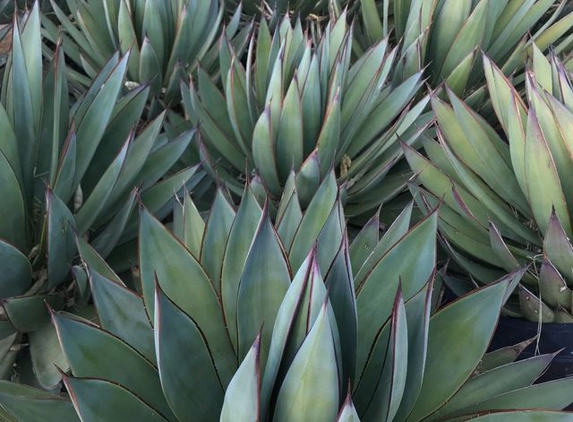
pixel 230 211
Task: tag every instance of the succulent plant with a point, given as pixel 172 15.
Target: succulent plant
pixel 448 36
pixel 166 39
pixel 508 195
pixel 68 167
pixel 300 103
pixel 243 319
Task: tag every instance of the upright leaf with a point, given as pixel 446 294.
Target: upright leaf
pixel 264 282
pixel 237 249
pixel 310 390
pixel 61 244
pixel 92 124
pixel 410 263
pixel 242 398
pixel 183 279
pixel 188 377
pixel 387 396
pixel 215 239
pixel 544 187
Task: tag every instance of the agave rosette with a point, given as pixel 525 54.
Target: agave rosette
pixel 448 36
pixel 68 168
pixel 262 309
pixel 166 39
pixel 301 104
pixel 507 204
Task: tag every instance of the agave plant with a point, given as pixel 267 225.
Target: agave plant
pixel 68 168
pixel 507 204
pixel 243 319
pixel 302 105
pixel 166 39
pixel 448 36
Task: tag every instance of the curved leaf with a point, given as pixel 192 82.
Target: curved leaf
pixel 287 316
pixel 186 368
pixel 16 271
pixel 558 247
pixel 340 289
pixel 47 356
pixel 236 251
pixel 242 398
pixel 364 242
pixel 313 220
pixel 24 95
pixel 521 416
pixel 418 310
pixel 30 313
pixel 264 151
pixel 264 282
pixel 391 236
pixel 126 114
pixel 98 198
pixel 91 352
pixel 543 185
pixel 27 404
pixel 189 226
pixel 500 380
pixel 90 256
pixel 183 279
pixel 308 179
pixel 120 403
pixel 93 123
pixel 470 322
pixel 150 65
pixel 410 262
pixel 503 356
pixel 12 207
pixel 553 395
pixel 122 313
pixel 289 144
pixel 109 237
pixel 310 390
pixel 61 228
pixel 217 230
pixel 387 394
